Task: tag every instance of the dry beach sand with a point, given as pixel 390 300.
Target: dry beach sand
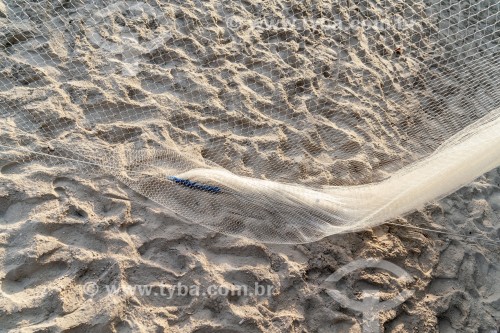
pixel 61 229
pixel 70 231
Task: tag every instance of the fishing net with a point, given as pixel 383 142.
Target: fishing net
pixel 279 121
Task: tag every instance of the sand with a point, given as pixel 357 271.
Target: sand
pixel 64 229
pixel 67 232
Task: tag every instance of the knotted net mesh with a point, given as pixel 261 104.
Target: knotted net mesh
pixel 280 121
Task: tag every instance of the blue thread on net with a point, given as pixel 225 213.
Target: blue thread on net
pixel 195 185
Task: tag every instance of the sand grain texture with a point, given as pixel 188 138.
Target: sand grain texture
pixel 228 102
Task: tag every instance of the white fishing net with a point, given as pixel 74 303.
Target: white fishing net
pixel 280 121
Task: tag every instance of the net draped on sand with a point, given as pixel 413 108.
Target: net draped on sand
pixel 279 121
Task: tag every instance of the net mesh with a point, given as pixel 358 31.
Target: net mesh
pixel 280 121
